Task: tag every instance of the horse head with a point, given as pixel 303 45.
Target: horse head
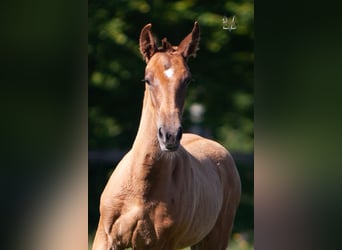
pixel 166 77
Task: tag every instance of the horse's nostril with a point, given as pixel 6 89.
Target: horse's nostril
pixel 179 133
pixel 160 132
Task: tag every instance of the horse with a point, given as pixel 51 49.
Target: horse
pixel 171 190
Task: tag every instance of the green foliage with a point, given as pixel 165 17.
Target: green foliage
pixel 222 72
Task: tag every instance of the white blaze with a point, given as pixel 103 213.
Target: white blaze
pixel 169 72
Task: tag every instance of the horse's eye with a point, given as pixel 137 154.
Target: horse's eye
pixel 146 81
pixel 187 80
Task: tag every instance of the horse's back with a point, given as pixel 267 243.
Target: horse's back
pixel 205 149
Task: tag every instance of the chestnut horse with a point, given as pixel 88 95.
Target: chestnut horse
pixel 171 190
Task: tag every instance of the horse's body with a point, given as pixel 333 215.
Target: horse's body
pixel 168 193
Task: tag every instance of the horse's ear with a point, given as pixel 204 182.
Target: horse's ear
pixel 147 43
pixel 190 43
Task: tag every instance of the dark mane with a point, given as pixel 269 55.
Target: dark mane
pixel 166 46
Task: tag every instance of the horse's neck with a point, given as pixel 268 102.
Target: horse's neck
pixel 149 164
pixel 146 149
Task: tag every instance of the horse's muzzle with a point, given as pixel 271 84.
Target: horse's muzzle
pixel 169 140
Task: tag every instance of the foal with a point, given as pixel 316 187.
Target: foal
pixel 171 190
